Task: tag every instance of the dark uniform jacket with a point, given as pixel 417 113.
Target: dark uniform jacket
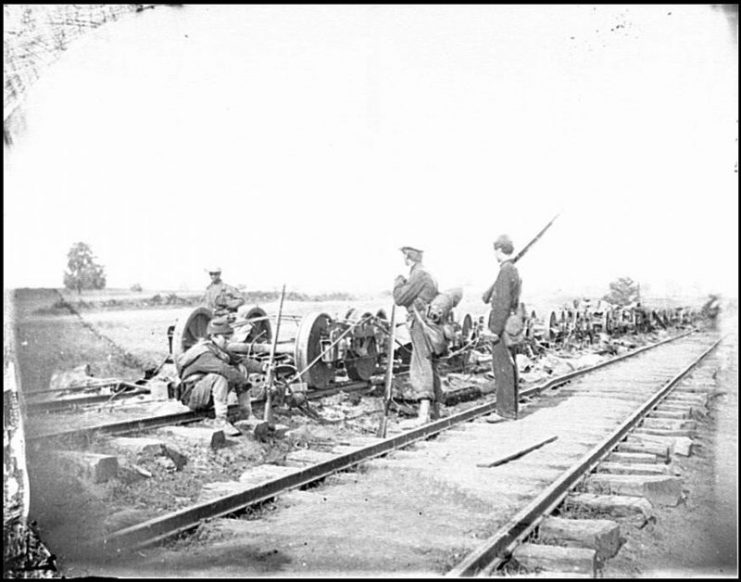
pixel 417 291
pixel 504 296
pixel 222 298
pixel 205 357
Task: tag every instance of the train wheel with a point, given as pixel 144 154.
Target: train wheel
pixel 361 359
pixel 189 329
pixel 554 327
pixel 261 330
pixel 311 331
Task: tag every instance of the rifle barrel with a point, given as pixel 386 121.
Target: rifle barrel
pixel 532 242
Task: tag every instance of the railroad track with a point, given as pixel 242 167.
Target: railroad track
pixel 459 435
pixel 462 435
pixel 178 418
pixel 45 401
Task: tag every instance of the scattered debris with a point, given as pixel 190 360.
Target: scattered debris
pixel 75 376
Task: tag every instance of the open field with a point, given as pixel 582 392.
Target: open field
pixel 123 342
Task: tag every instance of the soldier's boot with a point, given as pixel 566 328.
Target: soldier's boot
pixel 423 416
pixel 220 420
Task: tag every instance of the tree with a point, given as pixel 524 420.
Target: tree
pixel 623 291
pixel 82 270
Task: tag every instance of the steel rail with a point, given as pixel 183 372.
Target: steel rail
pixel 494 550
pixel 40 406
pixel 128 426
pixel 68 403
pixel 160 528
pixel 95 384
pixel 153 422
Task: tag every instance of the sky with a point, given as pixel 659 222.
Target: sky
pixel 305 144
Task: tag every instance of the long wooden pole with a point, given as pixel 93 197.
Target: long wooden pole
pixel 518 454
pixel 268 415
pixel 389 376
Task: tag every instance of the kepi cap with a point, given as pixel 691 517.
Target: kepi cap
pixel 413 249
pixel 213 269
pixel 219 326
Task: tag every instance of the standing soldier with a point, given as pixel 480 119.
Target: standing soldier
pixel 711 310
pixel 504 296
pixel 221 298
pixel 417 292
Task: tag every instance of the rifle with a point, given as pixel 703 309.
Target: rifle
pixel 389 377
pixel 268 416
pixel 487 294
pixel 519 255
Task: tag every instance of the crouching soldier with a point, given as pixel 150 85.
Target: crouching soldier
pixel 208 372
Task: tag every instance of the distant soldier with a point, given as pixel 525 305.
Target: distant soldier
pixel 221 298
pixel 504 296
pixel 711 310
pixel 417 292
pixel 208 372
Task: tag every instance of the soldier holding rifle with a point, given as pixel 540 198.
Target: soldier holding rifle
pixel 504 296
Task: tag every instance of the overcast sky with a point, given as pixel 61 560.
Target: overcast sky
pixel 305 144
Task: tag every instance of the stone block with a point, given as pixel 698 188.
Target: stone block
pixel 612 505
pixel 682 446
pixel 642 458
pixel 686 399
pixel 92 466
pixel 534 557
pixel 634 445
pixel 693 389
pixel 669 424
pixel 206 437
pixel 145 447
pixel 601 535
pixel 658 489
pixel 176 456
pixel 670 414
pixel 633 468
pixel 660 432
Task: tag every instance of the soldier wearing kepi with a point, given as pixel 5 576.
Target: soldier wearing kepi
pixel 417 292
pixel 504 296
pixel 221 298
pixel 208 372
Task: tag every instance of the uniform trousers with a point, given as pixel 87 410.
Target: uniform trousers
pixel 423 374
pixel 212 388
pixel 505 379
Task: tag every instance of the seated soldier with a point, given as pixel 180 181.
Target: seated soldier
pixel 208 372
pixel 221 298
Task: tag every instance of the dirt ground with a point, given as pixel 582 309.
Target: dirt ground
pixel 694 539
